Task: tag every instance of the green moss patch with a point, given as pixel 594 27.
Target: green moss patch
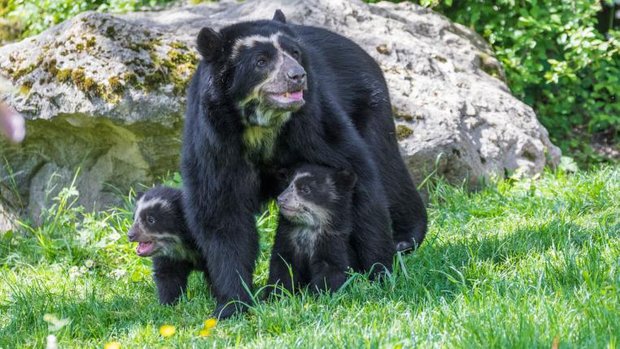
pixel 403 132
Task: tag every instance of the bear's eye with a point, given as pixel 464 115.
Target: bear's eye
pixel 305 189
pixel 261 61
pixel 296 54
pixel 150 220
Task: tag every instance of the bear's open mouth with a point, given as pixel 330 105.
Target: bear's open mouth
pixel 285 97
pixel 288 99
pixel 145 248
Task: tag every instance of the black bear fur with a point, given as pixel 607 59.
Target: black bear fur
pixel 345 122
pixel 311 246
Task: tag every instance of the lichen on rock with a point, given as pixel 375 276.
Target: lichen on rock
pixel 106 93
pixel 403 132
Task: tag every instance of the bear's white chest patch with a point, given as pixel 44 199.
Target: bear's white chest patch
pixel 304 239
pixel 259 139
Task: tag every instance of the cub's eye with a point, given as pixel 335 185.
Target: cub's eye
pixel 296 54
pixel 305 189
pixel 261 61
pixel 150 220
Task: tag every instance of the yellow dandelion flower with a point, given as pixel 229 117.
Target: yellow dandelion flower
pixel 112 345
pixel 167 331
pixel 205 332
pixel 210 323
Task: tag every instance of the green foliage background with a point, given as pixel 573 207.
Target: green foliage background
pixel 556 60
pixel 34 16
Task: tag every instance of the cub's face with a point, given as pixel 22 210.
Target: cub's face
pixel 261 69
pixel 154 228
pixel 315 194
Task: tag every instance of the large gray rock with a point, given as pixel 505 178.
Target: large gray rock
pixel 105 93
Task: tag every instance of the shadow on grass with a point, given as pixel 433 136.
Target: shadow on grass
pixel 447 266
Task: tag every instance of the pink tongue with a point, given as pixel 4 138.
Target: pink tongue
pixel 144 247
pixel 296 96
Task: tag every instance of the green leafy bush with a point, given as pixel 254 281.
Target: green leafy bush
pixel 555 60
pixel 35 16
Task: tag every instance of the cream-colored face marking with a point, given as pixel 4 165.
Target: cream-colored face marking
pixel 252 40
pixel 320 215
pixel 300 175
pixel 312 214
pixel 249 41
pixel 143 204
pixel 315 222
pixel 171 245
pixel 263 124
pixel 312 220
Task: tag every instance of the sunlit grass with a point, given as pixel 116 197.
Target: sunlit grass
pixel 516 264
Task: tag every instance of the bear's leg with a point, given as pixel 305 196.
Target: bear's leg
pixel 220 214
pixel 230 262
pixel 170 278
pixel 283 273
pixel 371 237
pixel 409 222
pixel 329 263
pixel 406 208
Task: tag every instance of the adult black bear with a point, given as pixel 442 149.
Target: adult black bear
pixel 269 95
pixel 315 224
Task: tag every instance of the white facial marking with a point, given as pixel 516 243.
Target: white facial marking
pixel 143 204
pixel 252 40
pixel 167 236
pixel 319 215
pixel 175 250
pixel 300 175
pixel 249 41
pixel 315 215
pixel 273 74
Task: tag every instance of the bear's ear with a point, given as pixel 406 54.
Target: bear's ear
pixel 346 179
pixel 278 16
pixel 139 195
pixel 209 44
pixel 283 175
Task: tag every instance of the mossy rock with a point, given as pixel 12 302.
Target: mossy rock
pixel 134 69
pixel 403 132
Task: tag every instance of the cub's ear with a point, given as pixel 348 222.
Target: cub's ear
pixel 209 44
pixel 278 16
pixel 139 195
pixel 346 179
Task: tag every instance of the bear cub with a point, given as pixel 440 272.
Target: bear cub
pixel 160 230
pixel 312 246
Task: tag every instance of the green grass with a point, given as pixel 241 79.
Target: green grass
pixel 515 264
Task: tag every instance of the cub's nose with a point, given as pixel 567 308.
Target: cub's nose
pixel 280 200
pixel 132 235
